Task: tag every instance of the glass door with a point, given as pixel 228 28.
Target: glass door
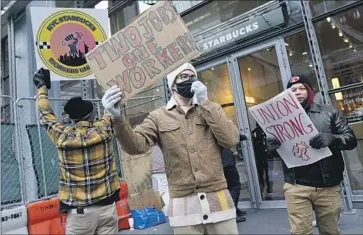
pixel 259 74
pixel 216 76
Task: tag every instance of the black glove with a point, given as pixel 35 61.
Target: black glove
pixel 272 144
pixel 321 140
pixel 42 78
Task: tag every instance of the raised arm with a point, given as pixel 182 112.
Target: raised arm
pixel 54 128
pixel 136 141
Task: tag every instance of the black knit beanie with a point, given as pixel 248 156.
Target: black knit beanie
pixel 77 108
pixel 298 79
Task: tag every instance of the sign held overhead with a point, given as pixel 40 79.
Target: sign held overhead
pixel 144 52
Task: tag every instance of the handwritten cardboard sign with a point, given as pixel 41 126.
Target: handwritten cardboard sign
pixel 144 52
pixel 283 118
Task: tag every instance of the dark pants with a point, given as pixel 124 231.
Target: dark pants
pixel 233 183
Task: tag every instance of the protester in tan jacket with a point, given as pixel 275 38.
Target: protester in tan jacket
pixel 189 130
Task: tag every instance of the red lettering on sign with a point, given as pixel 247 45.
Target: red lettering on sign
pixel 129 61
pixel 290 129
pixel 97 55
pixel 163 15
pixel 279 105
pixel 174 51
pixel 144 21
pixel 116 47
pixel 122 82
pixel 258 119
pixel 182 42
pixel 133 36
pixel 155 21
pixel 137 77
pixel 278 109
pixel 153 47
pixel 140 53
pixel 169 8
pixel 149 66
pixel 164 58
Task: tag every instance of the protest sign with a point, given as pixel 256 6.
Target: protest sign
pixel 63 36
pixel 283 118
pixel 144 52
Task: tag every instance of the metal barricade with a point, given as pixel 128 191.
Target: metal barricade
pixel 11 177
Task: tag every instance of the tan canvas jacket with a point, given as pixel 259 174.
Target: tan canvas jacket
pixel 189 141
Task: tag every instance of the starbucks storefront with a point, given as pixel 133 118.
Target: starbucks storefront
pixel 249 51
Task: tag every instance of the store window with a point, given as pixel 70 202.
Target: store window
pixel 300 60
pixel 182 6
pixel 319 7
pixel 350 103
pixel 123 16
pixel 341 46
pixel 217 12
pixel 219 88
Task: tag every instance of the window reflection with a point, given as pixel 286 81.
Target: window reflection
pixel 300 60
pixel 341 44
pixel 350 103
pixel 319 7
pixel 217 12
pixel 219 88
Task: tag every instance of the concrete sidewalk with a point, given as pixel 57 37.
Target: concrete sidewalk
pixel 269 221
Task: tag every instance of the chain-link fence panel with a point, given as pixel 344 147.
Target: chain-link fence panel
pixel 45 160
pixel 11 193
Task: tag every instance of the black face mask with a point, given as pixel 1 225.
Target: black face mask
pixel 184 88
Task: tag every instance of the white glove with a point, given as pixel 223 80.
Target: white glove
pixel 111 101
pixel 200 91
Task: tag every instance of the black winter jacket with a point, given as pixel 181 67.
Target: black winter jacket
pixel 327 119
pixel 228 159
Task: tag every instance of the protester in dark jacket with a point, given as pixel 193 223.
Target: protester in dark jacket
pixel 232 177
pixel 317 185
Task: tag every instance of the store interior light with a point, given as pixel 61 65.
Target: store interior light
pixel 350 46
pixel 333 26
pixel 249 69
pixel 340 33
pixel 250 100
pixel 328 19
pixel 310 65
pixel 286 44
pixel 355 49
pixel 338 96
pixel 346 40
pixel 335 82
pixel 304 53
pixel 291 54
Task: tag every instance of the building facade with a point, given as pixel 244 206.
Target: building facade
pixel 249 51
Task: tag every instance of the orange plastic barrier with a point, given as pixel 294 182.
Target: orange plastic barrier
pixel 44 218
pixel 123 209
